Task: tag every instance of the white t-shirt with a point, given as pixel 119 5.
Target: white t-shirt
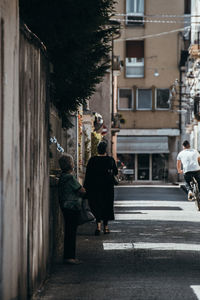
pixel 189 160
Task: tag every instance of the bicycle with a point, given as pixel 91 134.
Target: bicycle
pixel 195 191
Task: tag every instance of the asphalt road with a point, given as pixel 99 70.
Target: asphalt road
pixel 152 252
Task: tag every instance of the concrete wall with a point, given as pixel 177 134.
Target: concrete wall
pixel 60 134
pixel 31 224
pixel 67 138
pixel 149 119
pixel 34 163
pixel 56 224
pixel 10 268
pixel 101 103
pixel 174 145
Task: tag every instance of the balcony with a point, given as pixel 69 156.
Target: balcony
pixel 117 121
pixel 117 64
pixel 194 51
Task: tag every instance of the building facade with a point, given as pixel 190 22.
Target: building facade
pixel 149 136
pixel 190 73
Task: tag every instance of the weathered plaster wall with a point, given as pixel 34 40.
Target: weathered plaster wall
pixel 34 162
pixel 101 102
pixel 9 151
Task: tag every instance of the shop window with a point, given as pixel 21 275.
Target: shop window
pixel 144 99
pixel 143 166
pixel 126 166
pixel 125 101
pixel 135 12
pixel 162 98
pixel 135 59
pixel 159 167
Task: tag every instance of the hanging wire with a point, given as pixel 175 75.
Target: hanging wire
pixel 160 16
pixel 153 35
pixel 153 21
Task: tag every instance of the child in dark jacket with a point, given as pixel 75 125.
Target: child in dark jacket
pixel 70 192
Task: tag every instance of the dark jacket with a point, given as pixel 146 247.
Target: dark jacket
pixel 99 186
pixel 68 188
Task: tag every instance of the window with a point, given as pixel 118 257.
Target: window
pixel 144 99
pixel 187 9
pixel 125 99
pixel 135 12
pixel 160 166
pixel 127 161
pixel 135 59
pixel 162 99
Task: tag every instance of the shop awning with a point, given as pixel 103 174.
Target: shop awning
pixel 145 144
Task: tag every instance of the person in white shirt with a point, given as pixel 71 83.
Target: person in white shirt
pixel 189 159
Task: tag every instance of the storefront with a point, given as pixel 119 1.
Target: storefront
pixel 144 158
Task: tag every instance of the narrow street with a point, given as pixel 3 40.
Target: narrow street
pixel 152 253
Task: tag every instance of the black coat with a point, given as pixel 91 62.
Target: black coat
pixel 100 187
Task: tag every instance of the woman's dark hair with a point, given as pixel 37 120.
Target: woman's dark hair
pixel 101 148
pixel 66 162
pixel 186 144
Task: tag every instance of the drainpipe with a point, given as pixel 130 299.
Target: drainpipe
pixel 112 79
pixel 180 99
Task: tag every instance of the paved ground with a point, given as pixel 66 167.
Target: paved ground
pixel 152 253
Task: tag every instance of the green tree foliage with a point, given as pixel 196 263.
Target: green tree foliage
pixel 77 34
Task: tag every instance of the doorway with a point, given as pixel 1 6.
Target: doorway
pixel 143 162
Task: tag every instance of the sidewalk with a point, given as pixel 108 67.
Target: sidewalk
pixel 64 281
pixel 123 265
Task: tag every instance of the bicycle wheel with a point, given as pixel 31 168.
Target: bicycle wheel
pixel 196 196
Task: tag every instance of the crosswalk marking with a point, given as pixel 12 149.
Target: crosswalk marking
pixel 160 216
pixel 152 246
pixel 158 210
pixel 117 246
pixel 149 186
pixel 144 203
pixel 168 246
pixel 187 212
pixel 196 290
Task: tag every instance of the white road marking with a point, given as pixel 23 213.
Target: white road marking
pixel 188 212
pixel 149 186
pixel 117 246
pixel 152 246
pixel 143 203
pixel 152 215
pixel 196 290
pixel 168 246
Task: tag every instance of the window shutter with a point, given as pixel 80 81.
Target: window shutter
pixel 135 49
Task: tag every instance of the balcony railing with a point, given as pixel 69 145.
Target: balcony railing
pixel 117 121
pixel 117 65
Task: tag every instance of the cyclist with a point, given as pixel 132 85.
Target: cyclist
pixel 190 159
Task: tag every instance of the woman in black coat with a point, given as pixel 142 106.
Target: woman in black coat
pixel 99 185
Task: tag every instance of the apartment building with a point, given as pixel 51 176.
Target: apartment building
pixel 190 87
pixel 149 47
